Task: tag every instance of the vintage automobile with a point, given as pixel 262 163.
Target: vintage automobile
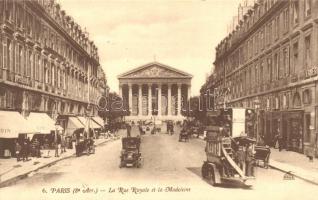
pixel 184 135
pixel 228 131
pixel 220 166
pixel 130 154
pixel 85 146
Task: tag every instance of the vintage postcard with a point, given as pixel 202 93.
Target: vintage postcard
pixel 158 99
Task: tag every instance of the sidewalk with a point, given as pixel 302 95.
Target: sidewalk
pixel 11 170
pixel 295 163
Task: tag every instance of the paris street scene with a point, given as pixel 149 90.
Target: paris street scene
pixel 161 99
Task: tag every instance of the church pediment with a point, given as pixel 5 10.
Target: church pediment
pixel 155 70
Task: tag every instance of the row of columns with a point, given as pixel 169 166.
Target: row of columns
pixel 150 98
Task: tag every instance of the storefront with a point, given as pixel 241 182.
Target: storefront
pixel 285 124
pixel 44 126
pixel 12 125
pixel 72 124
pixel 95 127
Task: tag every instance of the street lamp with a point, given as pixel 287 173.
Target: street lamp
pixel 257 106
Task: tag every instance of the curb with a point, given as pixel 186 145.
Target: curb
pixel 15 179
pixel 315 182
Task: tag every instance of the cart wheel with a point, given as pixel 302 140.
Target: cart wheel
pixel 211 177
pixel 204 171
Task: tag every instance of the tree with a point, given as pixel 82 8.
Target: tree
pixel 113 107
pixel 196 109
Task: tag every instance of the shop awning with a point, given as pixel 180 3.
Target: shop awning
pixel 92 124
pixel 12 124
pixel 42 122
pixel 99 121
pixel 72 125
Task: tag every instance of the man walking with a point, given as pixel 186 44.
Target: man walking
pixel 249 161
pixel 128 127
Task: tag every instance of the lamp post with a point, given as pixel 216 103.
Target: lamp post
pixel 257 106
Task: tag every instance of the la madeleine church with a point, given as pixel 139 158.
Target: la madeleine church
pixel 155 91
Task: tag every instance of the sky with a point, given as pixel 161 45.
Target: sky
pixel 129 33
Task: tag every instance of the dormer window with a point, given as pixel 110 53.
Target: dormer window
pixel 308 6
pixel 295 12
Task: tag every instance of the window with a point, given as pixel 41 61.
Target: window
pixel 286 20
pixel 46 72
pixel 256 75
pixel 7 55
pixel 286 61
pixel 9 11
pixel 36 67
pixel 269 69
pixel 276 67
pixel 308 6
pixel 307 97
pixel 295 57
pixel 262 38
pixel 29 64
pixel 307 51
pixel 261 68
pixel 277 28
pixel 269 32
pixel 20 62
pixel 295 12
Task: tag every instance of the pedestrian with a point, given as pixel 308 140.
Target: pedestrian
pixel 249 160
pixel 63 144
pixel 240 158
pixel 56 147
pixel 280 143
pixel 18 151
pixel 172 129
pixel 24 150
pixel 35 148
pixel 128 127
pixel 29 146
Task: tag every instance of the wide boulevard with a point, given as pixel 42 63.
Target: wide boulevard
pixel 171 170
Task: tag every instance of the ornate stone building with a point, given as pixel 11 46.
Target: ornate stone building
pixel 269 62
pixel 155 91
pixel 47 62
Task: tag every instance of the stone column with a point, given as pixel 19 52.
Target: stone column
pixel 159 99
pixel 149 100
pixel 130 97
pixel 169 99
pixel 120 93
pixel 140 100
pixel 179 100
pixel 189 92
pixel 188 97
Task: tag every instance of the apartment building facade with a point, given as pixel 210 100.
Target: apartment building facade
pixel 47 61
pixel 269 62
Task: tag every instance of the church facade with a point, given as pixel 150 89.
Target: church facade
pixel 155 91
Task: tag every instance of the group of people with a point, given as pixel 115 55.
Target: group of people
pixel 244 158
pixel 25 147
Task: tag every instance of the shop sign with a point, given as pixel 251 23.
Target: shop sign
pixel 5 131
